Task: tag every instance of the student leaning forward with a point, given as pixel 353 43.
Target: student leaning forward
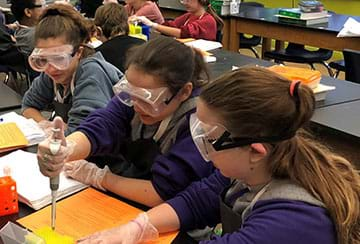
pixel 286 188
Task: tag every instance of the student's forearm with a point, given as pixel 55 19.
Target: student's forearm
pixel 167 30
pixel 141 191
pixel 81 148
pixel 33 114
pixel 164 218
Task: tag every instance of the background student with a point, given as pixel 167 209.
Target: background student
pixel 200 22
pixel 27 13
pixel 112 23
pixel 145 127
pixel 74 79
pixel 287 188
pixel 146 8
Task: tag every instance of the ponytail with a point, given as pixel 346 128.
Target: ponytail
pixel 219 21
pixel 328 177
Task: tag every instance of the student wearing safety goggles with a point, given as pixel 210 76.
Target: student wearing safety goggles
pixel 74 79
pixel 286 188
pixel 27 13
pixel 200 22
pixel 144 128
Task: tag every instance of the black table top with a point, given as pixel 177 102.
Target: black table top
pixel 344 117
pixel 345 91
pixel 8 98
pixel 335 24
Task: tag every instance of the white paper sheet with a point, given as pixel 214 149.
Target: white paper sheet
pixel 351 28
pixel 33 187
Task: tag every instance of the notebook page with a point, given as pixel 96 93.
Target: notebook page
pixel 32 186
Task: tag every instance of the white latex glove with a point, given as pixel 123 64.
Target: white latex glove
pixel 144 20
pixel 109 1
pixel 136 231
pixel 50 159
pixel 65 2
pixel 86 172
pixel 46 126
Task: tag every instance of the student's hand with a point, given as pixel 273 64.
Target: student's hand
pixel 86 172
pixel 64 2
pixel 109 1
pixel 51 156
pixel 136 231
pixel 13 26
pixel 46 126
pixel 144 20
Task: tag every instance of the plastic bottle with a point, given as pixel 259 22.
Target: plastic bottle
pixel 9 198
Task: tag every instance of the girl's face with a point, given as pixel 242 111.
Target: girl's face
pixel 36 10
pixel 240 163
pixel 137 78
pixel 59 76
pixel 192 6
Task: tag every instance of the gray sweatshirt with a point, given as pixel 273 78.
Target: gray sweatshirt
pixel 94 79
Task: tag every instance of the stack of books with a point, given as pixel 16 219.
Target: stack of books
pixel 308 13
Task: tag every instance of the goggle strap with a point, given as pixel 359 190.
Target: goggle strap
pixel 167 101
pixel 238 141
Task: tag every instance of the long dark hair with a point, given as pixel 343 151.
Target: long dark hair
pixel 171 61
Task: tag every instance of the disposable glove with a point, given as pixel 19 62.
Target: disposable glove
pixel 135 231
pixel 86 172
pixel 109 1
pixel 46 126
pixel 143 20
pixel 51 156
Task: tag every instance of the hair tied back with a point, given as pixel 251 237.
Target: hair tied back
pixel 294 87
pixel 52 12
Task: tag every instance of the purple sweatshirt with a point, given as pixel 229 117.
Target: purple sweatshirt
pixel 271 221
pixel 172 172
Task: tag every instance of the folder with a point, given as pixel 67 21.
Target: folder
pixel 11 137
pixel 87 212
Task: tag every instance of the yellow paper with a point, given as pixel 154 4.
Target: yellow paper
pixel 185 40
pixel 11 137
pixel 85 213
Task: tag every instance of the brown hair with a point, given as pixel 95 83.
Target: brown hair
pixel 112 18
pixel 62 20
pixel 219 22
pixel 255 102
pixel 171 61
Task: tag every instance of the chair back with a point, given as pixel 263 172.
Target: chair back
pixel 219 36
pixel 352 64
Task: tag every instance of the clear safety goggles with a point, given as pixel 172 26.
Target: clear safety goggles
pixel 185 1
pixel 59 57
pixel 151 101
pixel 213 138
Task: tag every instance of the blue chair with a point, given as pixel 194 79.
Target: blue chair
pixel 253 41
pixel 352 64
pixel 338 66
pixel 296 53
